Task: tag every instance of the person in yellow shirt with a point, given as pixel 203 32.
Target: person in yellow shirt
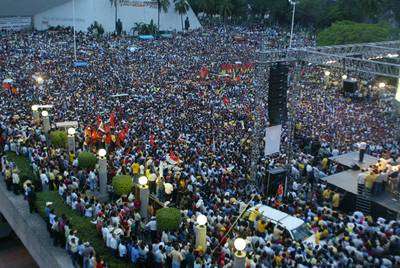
pixel 370 179
pixel 253 215
pixel 135 168
pixel 261 226
pixel 324 164
pixel 317 237
pixel 336 201
pixel 278 260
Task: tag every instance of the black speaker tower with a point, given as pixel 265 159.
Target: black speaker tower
pixel 277 94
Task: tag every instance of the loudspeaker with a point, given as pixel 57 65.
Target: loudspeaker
pixel 350 86
pixel 277 93
pixel 273 179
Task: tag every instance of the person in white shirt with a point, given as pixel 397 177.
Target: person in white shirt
pixel 114 244
pixel 45 181
pixel 15 182
pixel 122 250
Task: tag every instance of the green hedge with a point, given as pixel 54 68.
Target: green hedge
pixel 122 184
pixel 87 160
pixel 23 165
pixel 86 230
pixel 168 219
pixel 58 138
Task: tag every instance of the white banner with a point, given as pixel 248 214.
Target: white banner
pixel 272 140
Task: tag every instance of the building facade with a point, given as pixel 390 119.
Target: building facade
pixel 102 11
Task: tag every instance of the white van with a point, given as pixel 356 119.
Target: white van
pixel 297 228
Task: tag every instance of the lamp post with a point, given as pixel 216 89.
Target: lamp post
pixel 103 173
pixel 201 232
pixel 152 183
pixel 293 2
pixel 381 85
pixel 240 255
pixel 71 139
pixel 144 196
pixel 344 77
pixel 46 122
pixel 35 114
pixel 327 74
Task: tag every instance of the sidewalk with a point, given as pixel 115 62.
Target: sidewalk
pixel 32 231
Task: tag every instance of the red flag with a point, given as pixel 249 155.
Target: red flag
pixel 112 120
pixel 152 141
pixel 108 139
pixel 173 156
pixel 203 72
pixel 107 128
pixel 99 120
pixel 121 135
pixel 226 100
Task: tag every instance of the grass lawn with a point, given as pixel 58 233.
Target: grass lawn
pixel 26 171
pixel 86 230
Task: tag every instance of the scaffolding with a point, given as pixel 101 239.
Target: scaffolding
pixel 364 59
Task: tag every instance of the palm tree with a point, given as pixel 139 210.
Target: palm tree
pixel 225 8
pixel 115 4
pixel 182 7
pixel 163 5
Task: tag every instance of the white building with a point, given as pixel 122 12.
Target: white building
pixel 60 13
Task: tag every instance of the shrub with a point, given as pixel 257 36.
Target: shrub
pixel 58 138
pixel 168 219
pixel 23 165
pixel 87 160
pixel 86 230
pixel 122 184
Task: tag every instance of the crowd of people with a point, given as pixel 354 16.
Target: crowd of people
pixel 166 109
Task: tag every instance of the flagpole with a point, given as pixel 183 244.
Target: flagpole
pixel 73 18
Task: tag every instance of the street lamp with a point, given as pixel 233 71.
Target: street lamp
pixel 344 77
pixel 46 122
pixel 152 182
pixel 168 188
pixel 201 232
pixel 39 80
pixel 381 85
pixel 327 73
pixel 292 2
pixel 102 169
pixel 240 254
pixel 71 139
pixel 144 193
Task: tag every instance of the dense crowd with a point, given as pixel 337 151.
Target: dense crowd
pixel 204 124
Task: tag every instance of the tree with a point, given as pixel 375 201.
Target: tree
pixel 168 219
pixel 162 5
pixel 347 32
pixel 122 184
pixel 58 138
pixel 87 160
pixel 182 7
pixel 115 3
pixel 225 8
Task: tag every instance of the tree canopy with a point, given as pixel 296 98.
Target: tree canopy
pixel 347 32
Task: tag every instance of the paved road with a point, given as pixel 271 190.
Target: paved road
pixel 14 254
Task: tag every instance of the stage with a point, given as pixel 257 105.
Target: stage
pixel 347 181
pixel 382 205
pixel 351 159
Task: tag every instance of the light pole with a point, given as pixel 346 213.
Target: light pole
pixel 292 2
pixel 327 74
pixel 35 114
pixel 46 122
pixel 240 254
pixel 103 173
pixel 201 232
pixel 152 182
pixel 71 140
pixel 73 18
pixel 144 196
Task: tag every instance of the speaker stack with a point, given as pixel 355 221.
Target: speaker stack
pixel 277 94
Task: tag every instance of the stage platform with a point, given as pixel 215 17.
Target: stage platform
pixel 347 180
pixel 351 159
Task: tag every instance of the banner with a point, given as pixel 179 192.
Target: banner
pixel 272 140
